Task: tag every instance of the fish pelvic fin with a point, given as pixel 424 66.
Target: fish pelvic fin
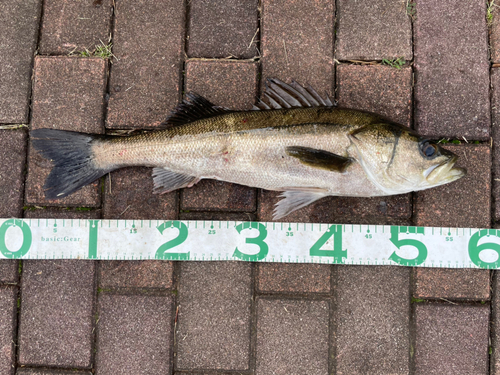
pixel 71 154
pixel 166 181
pixel 296 199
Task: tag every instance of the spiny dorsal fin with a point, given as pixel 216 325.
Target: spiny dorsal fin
pixel 279 95
pixel 194 108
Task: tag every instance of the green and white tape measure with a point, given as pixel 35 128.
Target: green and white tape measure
pixel 249 241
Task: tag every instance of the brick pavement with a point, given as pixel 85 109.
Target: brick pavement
pixel 155 317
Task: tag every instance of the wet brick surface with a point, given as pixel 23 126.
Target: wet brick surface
pixel 74 26
pixel 451 339
pixel 56 316
pixel 291 48
pixel 135 274
pixel 68 95
pixel 144 81
pixel 292 326
pixel 451 62
pixel 291 278
pixel 451 284
pixel 382 33
pixel 214 316
pixel 371 319
pixel 223 29
pixel 18 27
pixel 129 195
pixel 134 334
pixel 13 156
pixel 8 297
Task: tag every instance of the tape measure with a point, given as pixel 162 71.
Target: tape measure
pixel 249 241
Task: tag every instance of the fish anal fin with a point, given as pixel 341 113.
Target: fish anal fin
pixel 319 158
pixel 166 181
pixel 296 199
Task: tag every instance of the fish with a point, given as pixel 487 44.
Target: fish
pixel 293 140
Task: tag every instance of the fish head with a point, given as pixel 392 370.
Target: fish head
pixel 397 160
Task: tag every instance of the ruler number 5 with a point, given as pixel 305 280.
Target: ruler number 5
pixel 422 249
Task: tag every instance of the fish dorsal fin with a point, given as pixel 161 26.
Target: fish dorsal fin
pixel 194 108
pixel 279 95
pixel 166 181
pixel 296 199
pixel 319 158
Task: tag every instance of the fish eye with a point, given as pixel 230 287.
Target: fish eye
pixel 428 150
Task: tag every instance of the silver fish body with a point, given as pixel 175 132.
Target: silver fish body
pixel 307 153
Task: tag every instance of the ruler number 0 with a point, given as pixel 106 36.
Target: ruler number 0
pixel 27 238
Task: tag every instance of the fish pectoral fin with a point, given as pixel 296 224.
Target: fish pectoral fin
pixel 319 158
pixel 166 181
pixel 296 199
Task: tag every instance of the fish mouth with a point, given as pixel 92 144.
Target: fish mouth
pixel 445 172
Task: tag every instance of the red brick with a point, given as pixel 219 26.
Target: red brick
pixel 376 88
pixel 8 312
pixel 297 41
pixel 13 156
pixel 214 316
pixel 495 34
pixel 373 30
pixel 68 95
pixel 451 339
pixel 290 278
pixel 495 132
pixel 292 337
pixel 223 29
pixel 129 195
pixel 18 38
pixel 144 82
pixel 74 26
pixel 134 334
pixel 452 284
pixel 372 318
pixel 452 69
pixel 135 274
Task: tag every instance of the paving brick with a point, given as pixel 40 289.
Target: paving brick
pixel 68 95
pixel 376 88
pixel 463 203
pixel 495 35
pixel 214 316
pixel 18 27
pixel 452 67
pixel 134 335
pixel 495 326
pixel 383 30
pixel 56 313
pixel 144 82
pixel 451 339
pixel 294 49
pixel 129 195
pixel 223 29
pixel 372 319
pixel 9 271
pixel 451 284
pixel 61 213
pixel 495 132
pixel 135 274
pixel 8 297
pixel 232 85
pixel 292 337
pixel 74 26
pixel 13 156
pixel 289 278
pixel 394 210
pixel 32 371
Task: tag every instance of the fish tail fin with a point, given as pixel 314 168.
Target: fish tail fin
pixel 73 164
